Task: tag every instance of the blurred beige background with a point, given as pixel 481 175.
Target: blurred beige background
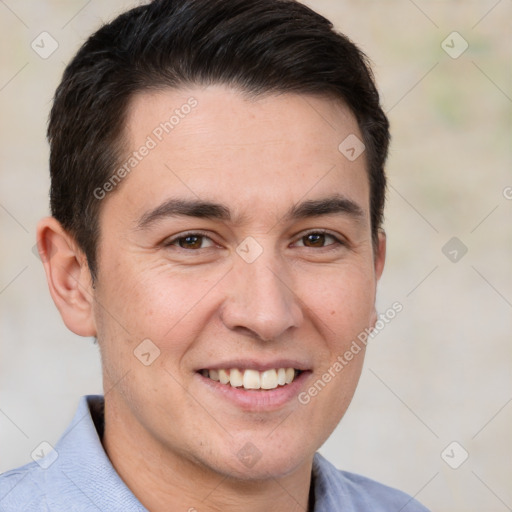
pixel 441 371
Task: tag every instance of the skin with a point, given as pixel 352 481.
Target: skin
pixel 173 439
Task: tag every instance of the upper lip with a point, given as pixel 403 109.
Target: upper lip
pixel 253 364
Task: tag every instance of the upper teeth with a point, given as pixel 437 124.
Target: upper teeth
pixel 252 379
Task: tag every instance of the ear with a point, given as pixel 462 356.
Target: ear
pixel 68 276
pixel 380 254
pixel 379 259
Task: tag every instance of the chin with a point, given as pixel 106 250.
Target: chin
pixel 255 457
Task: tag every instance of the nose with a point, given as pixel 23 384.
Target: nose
pixel 260 301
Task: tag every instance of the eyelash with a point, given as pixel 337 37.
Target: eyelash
pixel 337 240
pixel 174 240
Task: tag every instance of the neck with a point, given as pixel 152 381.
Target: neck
pixel 164 480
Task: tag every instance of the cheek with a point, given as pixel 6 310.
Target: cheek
pixel 341 307
pixel 342 300
pixel 168 306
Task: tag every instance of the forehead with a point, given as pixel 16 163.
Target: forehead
pixel 218 144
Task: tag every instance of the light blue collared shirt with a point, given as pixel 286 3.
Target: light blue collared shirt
pixel 77 476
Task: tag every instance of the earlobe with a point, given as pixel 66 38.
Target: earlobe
pixel 68 276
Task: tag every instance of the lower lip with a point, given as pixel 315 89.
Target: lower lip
pixel 255 399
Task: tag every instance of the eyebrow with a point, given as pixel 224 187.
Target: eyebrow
pixel 327 206
pixel 208 210
pixel 187 208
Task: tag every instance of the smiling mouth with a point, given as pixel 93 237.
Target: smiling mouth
pixel 253 379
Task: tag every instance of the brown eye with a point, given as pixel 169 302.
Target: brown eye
pixel 318 240
pixel 314 240
pixel 190 242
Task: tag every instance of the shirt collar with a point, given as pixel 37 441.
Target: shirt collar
pixel 84 467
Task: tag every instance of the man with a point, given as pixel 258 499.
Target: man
pixel 217 197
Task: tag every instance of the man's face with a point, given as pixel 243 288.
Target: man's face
pixel 241 244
